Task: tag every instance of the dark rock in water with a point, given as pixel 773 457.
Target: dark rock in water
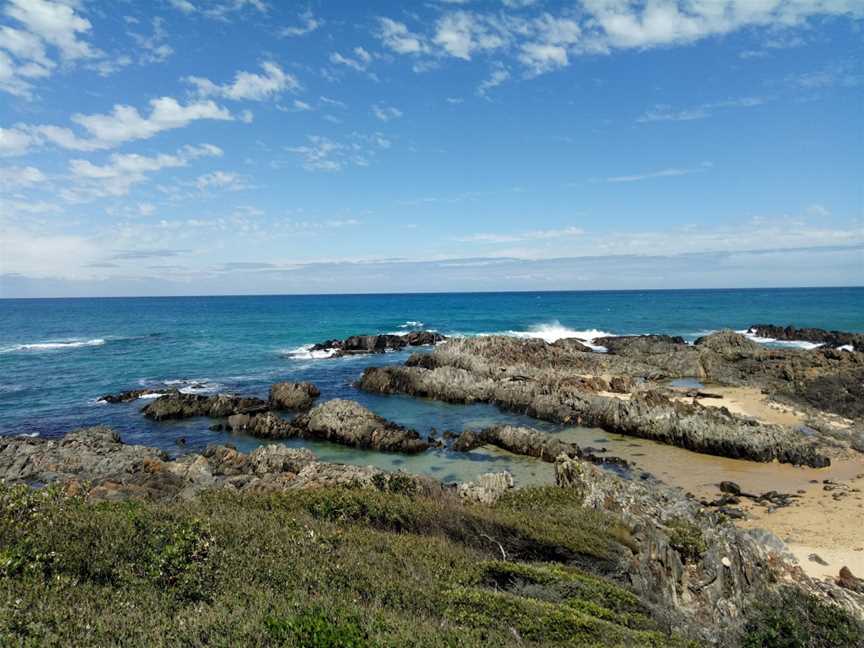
pixel 730 487
pixel 363 344
pixel 132 395
pixel 833 339
pixel 351 424
pixel 180 406
pixel 293 396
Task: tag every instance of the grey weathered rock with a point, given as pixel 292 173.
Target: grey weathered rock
pixel 554 394
pixel 94 462
pixel 518 440
pixel 698 569
pixel 488 488
pixel 293 396
pixel 179 406
pixel 362 344
pixel 349 423
pixel 832 339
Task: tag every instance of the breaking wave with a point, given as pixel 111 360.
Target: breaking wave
pixel 54 346
pixel 554 331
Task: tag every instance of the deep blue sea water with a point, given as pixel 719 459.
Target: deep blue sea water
pixel 57 356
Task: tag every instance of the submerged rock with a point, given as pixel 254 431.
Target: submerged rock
pixel 133 394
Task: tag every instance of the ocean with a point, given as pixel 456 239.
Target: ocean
pixel 58 356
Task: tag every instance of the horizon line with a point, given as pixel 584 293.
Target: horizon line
pixel 439 292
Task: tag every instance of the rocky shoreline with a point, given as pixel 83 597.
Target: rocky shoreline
pixel 695 566
pixel 685 556
pixel 625 390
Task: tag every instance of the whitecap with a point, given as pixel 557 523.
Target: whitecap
pixel 795 344
pixel 846 347
pixel 411 324
pixel 305 352
pixel 29 435
pixel 554 331
pixel 54 345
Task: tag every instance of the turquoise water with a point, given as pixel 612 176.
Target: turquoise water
pixel 57 356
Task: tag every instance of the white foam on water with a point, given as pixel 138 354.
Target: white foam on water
pixel 29 435
pixel 305 352
pixel 149 396
pixel 846 347
pixel 54 346
pixel 554 331
pixel 795 344
pixel 411 324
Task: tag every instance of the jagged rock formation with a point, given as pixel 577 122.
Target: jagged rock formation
pixel 349 423
pixel 94 461
pixel 293 396
pixel 177 405
pixel 554 383
pixel 700 569
pixel 362 344
pixel 833 339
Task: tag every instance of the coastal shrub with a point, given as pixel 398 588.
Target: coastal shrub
pixel 794 619
pixel 572 587
pixel 686 538
pixel 541 621
pixel 318 628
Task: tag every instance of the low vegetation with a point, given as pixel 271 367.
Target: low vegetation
pixel 341 567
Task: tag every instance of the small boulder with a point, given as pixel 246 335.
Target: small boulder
pixel 293 396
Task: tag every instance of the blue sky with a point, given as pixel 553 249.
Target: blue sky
pixel 246 146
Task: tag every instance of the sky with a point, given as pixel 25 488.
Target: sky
pixel 187 147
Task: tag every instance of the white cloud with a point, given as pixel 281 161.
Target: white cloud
pixel 24 48
pixel 218 10
pixel 14 141
pixel 396 36
pixel 56 23
pixel 15 177
pixel 386 113
pixel 125 170
pixel 665 112
pixel 220 180
pixel 247 85
pixel 325 154
pixel 499 75
pixel 308 24
pixel 532 235
pixel 546 41
pixel 153 48
pixel 360 60
pixel 663 173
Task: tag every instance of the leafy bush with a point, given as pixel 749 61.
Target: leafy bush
pixel 794 619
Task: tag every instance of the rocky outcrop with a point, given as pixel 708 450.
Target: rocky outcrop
pixel 95 463
pixel 832 339
pixel 351 424
pixel 518 440
pixel 697 569
pixel 648 414
pixel 180 406
pixel 133 395
pixel 488 488
pixel 293 396
pixel 363 344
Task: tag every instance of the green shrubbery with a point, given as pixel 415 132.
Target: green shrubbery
pixel 333 567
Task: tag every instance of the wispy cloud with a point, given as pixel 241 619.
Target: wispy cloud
pixel 662 173
pixel 531 235
pixel 665 112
